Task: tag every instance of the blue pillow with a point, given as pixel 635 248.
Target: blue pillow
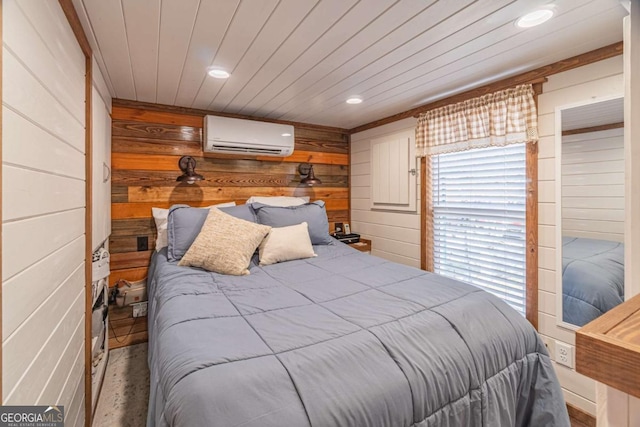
pixel 314 214
pixel 184 224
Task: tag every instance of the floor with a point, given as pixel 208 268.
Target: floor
pixel 124 396
pixel 125 392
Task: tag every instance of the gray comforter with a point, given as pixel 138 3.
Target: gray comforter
pixel 343 339
pixel 592 278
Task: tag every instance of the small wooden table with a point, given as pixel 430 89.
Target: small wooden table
pixel 608 348
pixel 364 245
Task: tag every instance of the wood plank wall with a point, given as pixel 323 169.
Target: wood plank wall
pixel 148 141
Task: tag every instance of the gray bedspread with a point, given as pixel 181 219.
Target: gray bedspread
pixel 592 278
pixel 343 339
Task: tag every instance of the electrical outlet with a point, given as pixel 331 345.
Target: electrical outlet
pixel 143 243
pixel 564 354
pixel 139 309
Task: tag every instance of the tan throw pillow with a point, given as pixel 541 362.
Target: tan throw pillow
pixel 286 244
pixel 225 244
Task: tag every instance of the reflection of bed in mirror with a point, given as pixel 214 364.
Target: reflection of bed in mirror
pixel 592 278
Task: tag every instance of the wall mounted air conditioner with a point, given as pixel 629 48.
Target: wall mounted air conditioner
pixel 237 136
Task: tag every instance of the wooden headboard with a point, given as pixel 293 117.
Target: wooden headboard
pixel 148 140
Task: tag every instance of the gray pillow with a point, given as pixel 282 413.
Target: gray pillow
pixel 314 214
pixel 184 224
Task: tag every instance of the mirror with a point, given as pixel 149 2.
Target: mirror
pixel 589 209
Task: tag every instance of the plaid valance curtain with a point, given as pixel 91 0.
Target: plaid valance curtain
pixel 497 119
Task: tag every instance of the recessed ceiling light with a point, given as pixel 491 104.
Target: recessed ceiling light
pixel 286 134
pixel 218 73
pixel 354 100
pixel 534 18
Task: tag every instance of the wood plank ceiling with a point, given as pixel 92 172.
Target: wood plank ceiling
pixel 301 59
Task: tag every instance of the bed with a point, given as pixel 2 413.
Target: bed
pixel 592 278
pixel 342 339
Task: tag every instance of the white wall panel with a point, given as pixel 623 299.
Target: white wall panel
pixel 76 409
pixel 59 312
pixel 56 357
pixel 583 75
pixel 30 288
pixel 38 149
pixel 546 257
pixel 43 208
pixel 48 19
pixel 603 78
pixel 546 280
pixel 547 302
pixel 25 43
pixel 546 213
pixel 394 235
pixel 601 88
pixel 546 235
pixel 39 237
pixel 28 193
pixel 65 369
pixel 29 98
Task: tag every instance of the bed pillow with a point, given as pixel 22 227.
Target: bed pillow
pixel 225 244
pixel 314 214
pixel 160 217
pixel 184 224
pixel 278 200
pixel 286 244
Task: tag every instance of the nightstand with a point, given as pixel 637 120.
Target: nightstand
pixel 364 245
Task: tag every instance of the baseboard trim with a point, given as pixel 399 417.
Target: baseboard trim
pixel 581 417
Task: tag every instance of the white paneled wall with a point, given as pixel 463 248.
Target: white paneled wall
pixel 44 206
pixel 394 235
pixel 600 79
pixel 593 185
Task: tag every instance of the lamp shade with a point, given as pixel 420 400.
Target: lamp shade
pixel 187 165
pixel 310 178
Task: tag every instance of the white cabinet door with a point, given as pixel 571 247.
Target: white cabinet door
pixel 393 172
pixel 101 192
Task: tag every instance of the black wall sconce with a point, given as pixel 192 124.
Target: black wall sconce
pixel 187 165
pixel 306 170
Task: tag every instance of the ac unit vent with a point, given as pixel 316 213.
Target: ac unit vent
pixel 222 148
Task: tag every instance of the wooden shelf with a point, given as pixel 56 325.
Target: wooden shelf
pixel 364 245
pixel 608 348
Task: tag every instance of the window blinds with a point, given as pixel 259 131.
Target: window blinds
pixel 479 219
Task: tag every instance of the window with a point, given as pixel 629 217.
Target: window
pixel 479 219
